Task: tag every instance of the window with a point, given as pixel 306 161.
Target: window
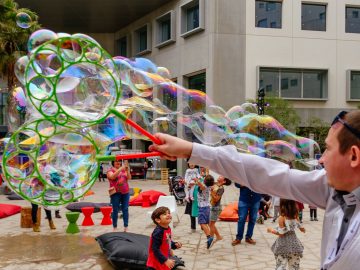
pixel 352 20
pixel 165 29
pixel 142 40
pixel 192 17
pixel 170 97
pixel 294 83
pixel 270 16
pixel 354 85
pixel 122 46
pixel 313 17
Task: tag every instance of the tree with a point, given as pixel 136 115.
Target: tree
pixel 13 41
pixel 317 127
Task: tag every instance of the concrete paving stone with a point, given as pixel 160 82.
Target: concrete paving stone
pixel 81 252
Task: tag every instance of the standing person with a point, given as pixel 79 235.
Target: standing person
pixel 35 225
pixel 145 168
pixel 101 173
pixel 276 204
pixel 216 193
pixel 191 176
pixel 249 202
pixel 203 197
pixel 336 188
pixel 300 207
pixel 313 213
pixel 161 243
pixel 287 247
pixel 118 176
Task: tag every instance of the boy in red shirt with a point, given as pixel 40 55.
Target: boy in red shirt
pixel 161 244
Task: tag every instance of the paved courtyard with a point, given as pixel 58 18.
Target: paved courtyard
pixel 22 249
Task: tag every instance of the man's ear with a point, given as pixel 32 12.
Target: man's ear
pixel 355 156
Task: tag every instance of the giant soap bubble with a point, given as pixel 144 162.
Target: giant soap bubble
pixel 74 93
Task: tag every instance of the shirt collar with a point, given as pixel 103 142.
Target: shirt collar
pixel 344 198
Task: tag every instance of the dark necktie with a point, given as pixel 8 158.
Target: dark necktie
pixel 348 213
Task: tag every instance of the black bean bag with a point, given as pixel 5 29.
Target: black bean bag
pixel 14 196
pixel 128 250
pixel 125 250
pixel 76 207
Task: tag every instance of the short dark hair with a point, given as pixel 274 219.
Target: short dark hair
pixel 209 180
pixel 345 137
pixel 288 208
pixel 113 162
pixel 158 212
pixel 227 181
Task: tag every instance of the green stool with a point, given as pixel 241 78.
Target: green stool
pixel 72 217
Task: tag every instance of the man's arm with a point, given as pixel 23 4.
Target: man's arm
pixel 264 175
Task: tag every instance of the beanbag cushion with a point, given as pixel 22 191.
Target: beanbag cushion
pixel 154 197
pixel 125 250
pixel 14 196
pixel 76 207
pixel 230 212
pixel 7 210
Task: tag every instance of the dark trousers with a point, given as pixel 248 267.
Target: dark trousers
pixel 34 209
pixel 313 213
pixel 116 200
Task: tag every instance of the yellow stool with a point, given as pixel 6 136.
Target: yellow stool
pixel 136 191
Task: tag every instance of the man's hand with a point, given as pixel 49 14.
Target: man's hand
pixel 170 263
pixel 172 147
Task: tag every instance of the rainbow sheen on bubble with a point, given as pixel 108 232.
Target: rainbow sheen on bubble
pixel 23 20
pixel 72 85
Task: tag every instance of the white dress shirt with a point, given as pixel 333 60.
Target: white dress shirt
pixel 270 176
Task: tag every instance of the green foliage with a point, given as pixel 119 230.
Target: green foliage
pixel 13 42
pixel 317 127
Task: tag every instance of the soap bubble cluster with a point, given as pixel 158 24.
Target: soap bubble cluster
pixel 71 87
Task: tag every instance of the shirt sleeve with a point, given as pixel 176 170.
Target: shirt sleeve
pixel 264 175
pixel 157 237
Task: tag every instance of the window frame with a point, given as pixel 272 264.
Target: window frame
pixel 136 40
pixel 351 6
pixel 302 71
pixel 126 37
pixel 348 85
pixel 314 4
pixel 184 32
pixel 158 21
pixel 281 15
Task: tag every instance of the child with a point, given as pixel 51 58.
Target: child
pixel 276 204
pixel 287 247
pixel 217 191
pixel 313 213
pixel 161 244
pixel 300 207
pixel 191 175
pixel 204 207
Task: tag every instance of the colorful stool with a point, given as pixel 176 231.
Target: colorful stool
pixel 87 211
pixel 106 211
pixel 72 217
pixel 146 200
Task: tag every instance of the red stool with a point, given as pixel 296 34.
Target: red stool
pixel 146 200
pixel 106 211
pixel 87 211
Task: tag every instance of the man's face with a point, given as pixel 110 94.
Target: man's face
pixel 337 166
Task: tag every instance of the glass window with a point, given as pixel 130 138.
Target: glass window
pixel 165 30
pixel 291 84
pixel 122 46
pixel 294 83
pixel 313 17
pixel 142 34
pixel 313 84
pixel 198 82
pixel 192 18
pixel 270 16
pixel 3 108
pixel 352 23
pixel 269 79
pixel 355 85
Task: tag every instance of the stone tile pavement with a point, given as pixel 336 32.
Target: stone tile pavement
pixel 23 249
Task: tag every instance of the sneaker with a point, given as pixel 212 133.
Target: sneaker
pixel 209 242
pixel 250 241
pixel 311 219
pixel 315 219
pixel 57 215
pixel 236 242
